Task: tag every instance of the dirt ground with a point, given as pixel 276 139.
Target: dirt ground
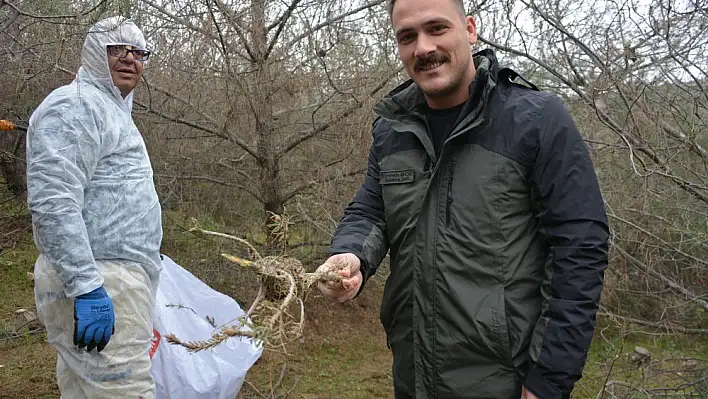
pixel 342 355
pixel 343 352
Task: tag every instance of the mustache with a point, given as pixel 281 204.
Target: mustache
pixel 430 59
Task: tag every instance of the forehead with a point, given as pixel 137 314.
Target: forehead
pixel 411 14
pixel 406 9
pixel 126 45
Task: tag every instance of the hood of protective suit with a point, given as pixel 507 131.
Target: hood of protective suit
pixel 94 58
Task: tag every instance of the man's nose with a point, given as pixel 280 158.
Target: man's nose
pixel 129 58
pixel 424 46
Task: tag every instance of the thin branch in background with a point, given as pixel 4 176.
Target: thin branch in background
pixel 234 23
pixel 297 190
pixel 323 127
pixel 282 21
pixel 637 82
pixel 674 285
pixel 330 21
pixel 657 238
pixel 18 11
pixel 210 179
pixel 657 325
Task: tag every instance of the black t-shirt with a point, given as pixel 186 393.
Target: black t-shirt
pixel 440 123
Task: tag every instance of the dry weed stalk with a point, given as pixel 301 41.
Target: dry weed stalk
pixel 283 282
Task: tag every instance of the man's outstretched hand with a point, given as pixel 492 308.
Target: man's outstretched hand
pixel 350 274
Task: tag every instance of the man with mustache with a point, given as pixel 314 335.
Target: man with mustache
pixel 484 193
pixel 96 220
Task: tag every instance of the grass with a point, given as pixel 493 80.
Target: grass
pixel 675 361
pixel 343 353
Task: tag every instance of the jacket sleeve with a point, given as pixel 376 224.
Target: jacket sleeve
pixel 574 221
pixel 361 230
pixel 63 148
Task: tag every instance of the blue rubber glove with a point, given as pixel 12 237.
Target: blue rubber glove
pixel 94 320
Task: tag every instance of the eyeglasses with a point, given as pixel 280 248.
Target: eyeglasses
pixel 121 51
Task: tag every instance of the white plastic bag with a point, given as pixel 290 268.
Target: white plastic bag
pixel 182 305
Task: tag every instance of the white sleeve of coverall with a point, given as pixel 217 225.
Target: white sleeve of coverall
pixel 63 148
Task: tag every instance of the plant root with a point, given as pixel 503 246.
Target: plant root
pixel 283 283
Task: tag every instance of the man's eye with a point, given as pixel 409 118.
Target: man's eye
pixel 438 28
pixel 405 38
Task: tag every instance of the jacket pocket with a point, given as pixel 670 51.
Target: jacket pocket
pixel 402 192
pixel 503 336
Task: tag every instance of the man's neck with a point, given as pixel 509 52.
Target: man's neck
pixel 455 98
pixel 449 101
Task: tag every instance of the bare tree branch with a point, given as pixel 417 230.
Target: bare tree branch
pixel 50 17
pixel 348 111
pixel 210 180
pixel 183 22
pixel 652 324
pixel 234 22
pixel 670 283
pixel 282 20
pixel 631 141
pixel 330 21
pixel 297 190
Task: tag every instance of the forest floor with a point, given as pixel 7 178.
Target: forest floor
pixel 343 352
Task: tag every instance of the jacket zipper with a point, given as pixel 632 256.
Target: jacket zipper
pixel 449 193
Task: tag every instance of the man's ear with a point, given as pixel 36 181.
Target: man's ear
pixel 471 27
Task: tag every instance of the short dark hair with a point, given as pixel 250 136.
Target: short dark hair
pixel 459 3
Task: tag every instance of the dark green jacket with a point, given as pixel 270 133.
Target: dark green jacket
pixel 497 248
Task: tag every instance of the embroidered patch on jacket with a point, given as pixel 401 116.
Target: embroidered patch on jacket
pixel 397 176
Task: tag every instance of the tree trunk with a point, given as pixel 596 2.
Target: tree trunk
pixel 268 163
pixel 12 168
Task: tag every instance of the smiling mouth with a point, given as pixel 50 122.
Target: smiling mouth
pixel 431 66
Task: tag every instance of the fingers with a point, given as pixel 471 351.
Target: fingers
pixel 342 291
pixel 91 336
pixel 80 334
pixel 334 262
pixel 88 339
pixel 354 282
pixel 109 332
pixel 331 289
pixel 352 261
pixel 351 277
pixel 106 338
pixel 101 345
pixel 96 339
pixel 91 345
pixel 91 333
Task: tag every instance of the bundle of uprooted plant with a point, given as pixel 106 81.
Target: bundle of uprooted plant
pixel 283 282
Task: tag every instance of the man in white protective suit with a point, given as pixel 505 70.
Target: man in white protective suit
pixel 97 221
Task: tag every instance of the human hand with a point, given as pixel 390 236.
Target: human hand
pixel 94 320
pixel 350 274
pixel 526 394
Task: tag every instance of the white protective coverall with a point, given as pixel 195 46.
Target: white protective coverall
pixel 96 221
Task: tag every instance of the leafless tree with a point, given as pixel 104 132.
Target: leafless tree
pixel 634 74
pixel 275 89
pixel 269 101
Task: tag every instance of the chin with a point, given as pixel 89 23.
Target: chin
pixel 436 89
